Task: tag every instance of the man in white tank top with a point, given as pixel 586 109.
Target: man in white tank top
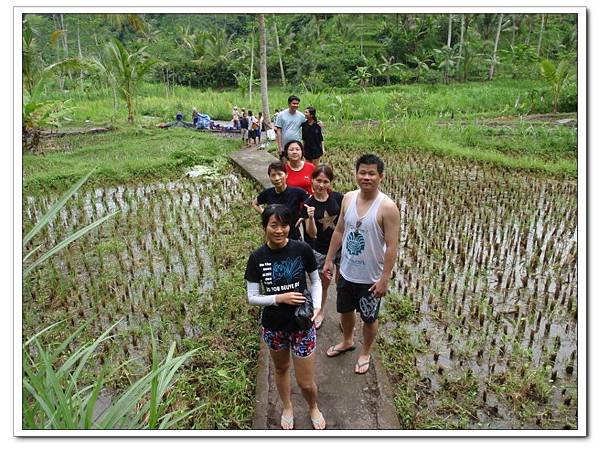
pixel 367 231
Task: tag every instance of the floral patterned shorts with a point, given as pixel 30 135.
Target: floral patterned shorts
pixel 303 343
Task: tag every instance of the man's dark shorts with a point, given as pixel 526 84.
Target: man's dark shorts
pixel 356 297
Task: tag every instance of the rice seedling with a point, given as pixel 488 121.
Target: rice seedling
pixel 138 267
pixel 485 241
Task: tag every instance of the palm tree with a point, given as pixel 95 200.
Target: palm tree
pixel 445 61
pixel 219 47
pixel 556 77
pixel 278 50
pixel 128 70
pixel 31 57
pixel 121 21
pixel 494 58
pixel 264 95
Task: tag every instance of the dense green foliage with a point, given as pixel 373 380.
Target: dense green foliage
pixel 317 50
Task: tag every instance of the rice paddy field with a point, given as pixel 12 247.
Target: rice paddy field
pixel 480 329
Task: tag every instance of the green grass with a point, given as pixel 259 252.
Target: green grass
pixel 389 102
pixel 222 374
pixel 553 153
pixel 54 398
pixel 127 155
pixel 446 120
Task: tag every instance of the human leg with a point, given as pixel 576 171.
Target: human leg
pixel 364 357
pixel 282 362
pixel 369 311
pixel 346 304
pixel 305 377
pixel 325 282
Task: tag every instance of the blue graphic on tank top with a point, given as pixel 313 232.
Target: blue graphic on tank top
pixel 355 243
pixel 287 270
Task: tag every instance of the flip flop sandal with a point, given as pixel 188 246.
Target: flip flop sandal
pixel 318 423
pixel 358 367
pixel 332 352
pixel 288 421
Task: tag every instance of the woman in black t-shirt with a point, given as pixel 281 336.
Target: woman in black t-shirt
pixel 279 267
pixel 312 137
pixel 320 216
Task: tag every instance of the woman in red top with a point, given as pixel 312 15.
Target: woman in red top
pixel 299 171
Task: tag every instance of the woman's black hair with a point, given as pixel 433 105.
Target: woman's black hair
pixel 281 212
pixel 323 169
pixel 285 149
pixel 312 111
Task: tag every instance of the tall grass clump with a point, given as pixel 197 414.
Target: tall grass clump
pixel 53 398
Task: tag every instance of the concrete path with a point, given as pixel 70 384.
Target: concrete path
pixel 254 163
pixel 348 401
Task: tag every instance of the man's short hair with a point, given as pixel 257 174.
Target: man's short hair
pixel 291 98
pixel 281 212
pixel 277 166
pixel 370 159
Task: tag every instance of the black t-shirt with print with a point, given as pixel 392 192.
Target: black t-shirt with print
pixel 326 217
pixel 279 271
pixel 292 197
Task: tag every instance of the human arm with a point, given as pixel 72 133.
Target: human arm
pixel 278 134
pixel 261 199
pixel 256 298
pixel 322 140
pixel 257 207
pixel 336 239
pixel 279 144
pixel 316 292
pixel 391 230
pixel 311 226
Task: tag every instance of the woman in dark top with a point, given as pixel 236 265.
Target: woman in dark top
pixel 279 267
pixel 312 137
pixel 320 217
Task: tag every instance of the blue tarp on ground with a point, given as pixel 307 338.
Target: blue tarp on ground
pixel 204 122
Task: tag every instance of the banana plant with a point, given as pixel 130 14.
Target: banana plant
pixel 38 114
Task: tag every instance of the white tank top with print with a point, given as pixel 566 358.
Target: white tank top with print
pixel 363 244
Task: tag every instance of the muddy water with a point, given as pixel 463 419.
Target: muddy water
pixel 148 265
pixel 488 259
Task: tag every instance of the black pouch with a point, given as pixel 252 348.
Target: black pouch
pixel 304 312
